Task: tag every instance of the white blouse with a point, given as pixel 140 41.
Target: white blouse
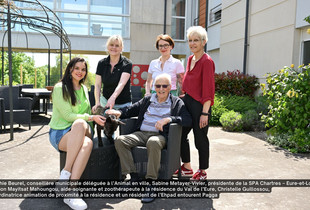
pixel 172 67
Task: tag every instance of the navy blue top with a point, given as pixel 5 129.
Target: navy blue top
pixel 111 80
pixel 179 113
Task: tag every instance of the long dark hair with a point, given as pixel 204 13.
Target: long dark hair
pixel 67 84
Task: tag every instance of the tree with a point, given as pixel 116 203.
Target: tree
pixel 20 60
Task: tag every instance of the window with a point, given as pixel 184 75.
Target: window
pixel 118 7
pixel 93 17
pixel 216 14
pixel 73 5
pixel 83 17
pixel 306 56
pixel 108 25
pixel 178 19
pixel 74 23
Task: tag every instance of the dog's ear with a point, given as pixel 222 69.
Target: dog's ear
pixel 119 122
pixel 99 110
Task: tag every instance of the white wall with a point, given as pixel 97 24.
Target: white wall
pixel 273 40
pixel 214 35
pixel 232 35
pixel 272 36
pixel 302 11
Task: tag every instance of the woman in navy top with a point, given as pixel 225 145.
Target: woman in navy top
pixel 113 73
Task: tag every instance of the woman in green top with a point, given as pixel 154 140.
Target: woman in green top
pixel 70 126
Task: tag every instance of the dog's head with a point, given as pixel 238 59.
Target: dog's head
pixel 100 110
pixel 111 125
pixel 111 122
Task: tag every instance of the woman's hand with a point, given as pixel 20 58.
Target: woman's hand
pixel 203 121
pixel 100 120
pixel 93 110
pixel 111 102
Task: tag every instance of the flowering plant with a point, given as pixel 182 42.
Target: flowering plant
pixel 288 94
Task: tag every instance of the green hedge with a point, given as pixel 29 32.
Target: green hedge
pixel 288 118
pixel 236 83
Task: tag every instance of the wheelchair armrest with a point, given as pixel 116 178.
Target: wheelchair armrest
pixel 174 137
pixel 1 113
pixel 173 150
pixel 129 127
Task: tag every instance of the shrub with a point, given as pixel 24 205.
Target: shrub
pixel 288 94
pixel 231 121
pixel 217 110
pixel 294 143
pixel 236 83
pixel 239 103
pixel 261 104
pixel 251 121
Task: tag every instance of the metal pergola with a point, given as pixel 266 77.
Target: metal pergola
pixel 41 20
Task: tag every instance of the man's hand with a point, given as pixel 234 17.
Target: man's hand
pixel 160 123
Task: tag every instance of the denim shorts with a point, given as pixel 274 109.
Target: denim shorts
pixel 56 135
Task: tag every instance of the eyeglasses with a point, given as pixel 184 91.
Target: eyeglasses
pixel 165 46
pixel 164 86
pixel 194 41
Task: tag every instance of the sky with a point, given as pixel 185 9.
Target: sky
pixel 41 60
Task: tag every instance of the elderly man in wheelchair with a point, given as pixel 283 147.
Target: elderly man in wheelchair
pixel 155 113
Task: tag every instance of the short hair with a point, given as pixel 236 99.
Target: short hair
pixel 114 38
pixel 163 76
pixel 198 30
pixel 166 38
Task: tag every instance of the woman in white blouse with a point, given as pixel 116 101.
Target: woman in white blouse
pixel 166 63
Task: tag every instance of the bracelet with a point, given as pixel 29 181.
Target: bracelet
pixel 91 118
pixel 205 114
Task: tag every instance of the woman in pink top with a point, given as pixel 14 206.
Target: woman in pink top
pixel 166 63
pixel 198 85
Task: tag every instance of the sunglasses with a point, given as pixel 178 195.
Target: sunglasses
pixel 164 86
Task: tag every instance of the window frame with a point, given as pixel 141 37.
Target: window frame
pixel 125 33
pixel 212 15
pixel 182 18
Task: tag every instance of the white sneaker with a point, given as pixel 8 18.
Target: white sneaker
pixel 75 203
pixel 64 175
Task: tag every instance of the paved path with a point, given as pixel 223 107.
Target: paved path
pixel 233 156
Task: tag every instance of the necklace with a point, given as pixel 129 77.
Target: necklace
pixel 195 60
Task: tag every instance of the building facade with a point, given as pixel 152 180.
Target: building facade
pixel 89 23
pixel 276 34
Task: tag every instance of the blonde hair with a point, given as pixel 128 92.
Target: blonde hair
pixel 114 38
pixel 198 30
